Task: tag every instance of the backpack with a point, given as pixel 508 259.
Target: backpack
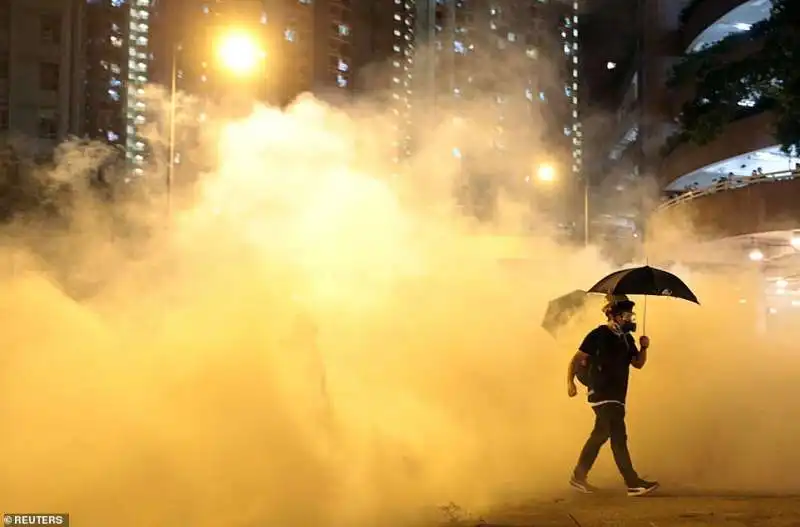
pixel 584 372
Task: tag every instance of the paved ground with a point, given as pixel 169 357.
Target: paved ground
pixel 690 509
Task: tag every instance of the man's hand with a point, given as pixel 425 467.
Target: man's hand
pixel 638 360
pixel 572 390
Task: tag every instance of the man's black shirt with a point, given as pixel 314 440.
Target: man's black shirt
pixel 611 355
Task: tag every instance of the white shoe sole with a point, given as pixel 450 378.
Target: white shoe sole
pixel 642 491
pixel 580 488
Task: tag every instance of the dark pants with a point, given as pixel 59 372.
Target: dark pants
pixel 609 424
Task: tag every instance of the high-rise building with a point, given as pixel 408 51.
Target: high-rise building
pixel 38 71
pixel 523 57
pixel 115 57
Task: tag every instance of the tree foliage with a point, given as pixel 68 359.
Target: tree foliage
pixel 729 87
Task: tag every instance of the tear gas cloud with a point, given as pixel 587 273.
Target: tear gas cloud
pixel 313 341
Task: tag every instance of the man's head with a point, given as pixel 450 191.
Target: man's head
pixel 620 315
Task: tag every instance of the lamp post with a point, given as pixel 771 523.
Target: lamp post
pixel 173 94
pixel 239 53
pixel 585 211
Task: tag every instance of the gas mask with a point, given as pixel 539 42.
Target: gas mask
pixel 627 322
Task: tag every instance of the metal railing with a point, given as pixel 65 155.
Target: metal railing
pixel 730 183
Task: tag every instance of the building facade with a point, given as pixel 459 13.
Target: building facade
pixel 738 191
pixel 114 57
pixel 39 72
pixel 512 65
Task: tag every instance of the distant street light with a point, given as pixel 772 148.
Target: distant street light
pixel 546 173
pixel 239 52
pixel 756 255
pixel 795 240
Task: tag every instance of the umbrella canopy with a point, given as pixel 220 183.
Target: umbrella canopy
pixel 561 309
pixel 644 281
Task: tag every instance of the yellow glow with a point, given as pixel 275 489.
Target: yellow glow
pixel 239 52
pixel 546 173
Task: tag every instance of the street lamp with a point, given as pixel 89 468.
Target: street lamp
pixel 238 52
pixel 173 94
pixel 795 240
pixel 546 173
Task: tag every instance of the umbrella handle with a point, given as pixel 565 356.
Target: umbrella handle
pixel 644 313
pixel 644 317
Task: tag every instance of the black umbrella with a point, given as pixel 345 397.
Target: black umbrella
pixel 561 309
pixel 644 281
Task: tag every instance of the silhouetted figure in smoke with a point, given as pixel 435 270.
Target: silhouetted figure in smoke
pixel 603 364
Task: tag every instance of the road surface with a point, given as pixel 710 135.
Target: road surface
pixel 687 509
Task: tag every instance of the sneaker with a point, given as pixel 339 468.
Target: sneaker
pixel 581 485
pixel 642 488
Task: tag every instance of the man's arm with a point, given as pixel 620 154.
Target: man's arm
pixel 579 358
pixel 639 358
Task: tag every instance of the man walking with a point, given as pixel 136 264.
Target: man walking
pixel 605 358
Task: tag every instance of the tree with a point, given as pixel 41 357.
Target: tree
pixel 728 88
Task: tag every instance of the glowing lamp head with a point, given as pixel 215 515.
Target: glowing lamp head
pixel 756 255
pixel 795 240
pixel 546 173
pixel 239 52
